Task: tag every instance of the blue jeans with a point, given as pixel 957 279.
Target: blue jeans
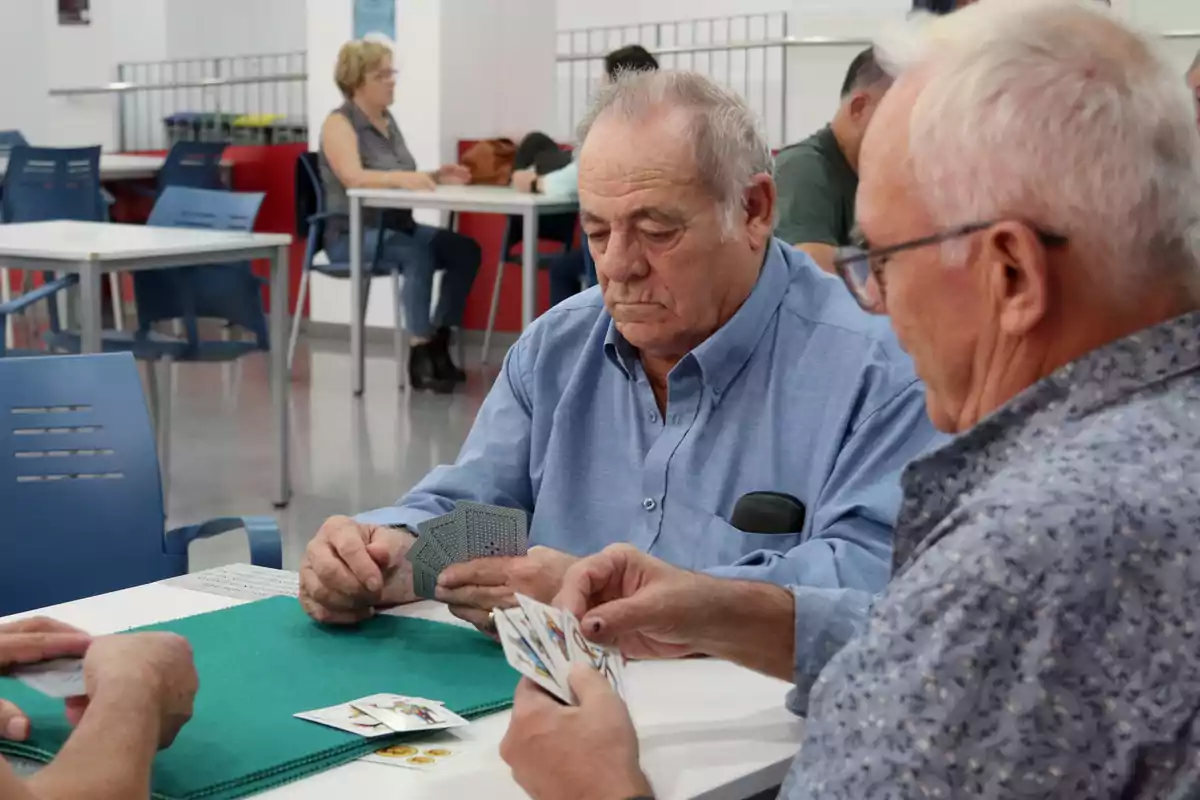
pixel 419 254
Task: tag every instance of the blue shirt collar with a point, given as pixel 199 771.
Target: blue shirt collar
pixel 722 355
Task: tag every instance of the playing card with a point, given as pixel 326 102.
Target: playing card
pixel 493 530
pixel 60 677
pixel 346 717
pixel 425 755
pixel 426 554
pixel 448 533
pixel 608 661
pixel 424 582
pixel 537 641
pixel 401 713
pixel 546 622
pixel 524 658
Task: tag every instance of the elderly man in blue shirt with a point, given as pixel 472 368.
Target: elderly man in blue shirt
pixel 712 361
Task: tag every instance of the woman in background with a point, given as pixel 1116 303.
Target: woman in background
pixel 361 147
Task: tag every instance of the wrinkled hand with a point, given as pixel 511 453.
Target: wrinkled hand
pixel 417 182
pixel 154 667
pixel 30 641
pixel 523 180
pixel 454 175
pixel 349 569
pixel 473 588
pixel 577 752
pixel 644 606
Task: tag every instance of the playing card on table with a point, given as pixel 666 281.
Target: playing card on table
pixel 525 657
pixel 60 677
pixel 493 530
pixel 424 755
pixel 346 717
pixel 608 661
pixel 402 714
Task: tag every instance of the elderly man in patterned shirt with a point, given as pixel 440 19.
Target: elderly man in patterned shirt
pixel 1031 195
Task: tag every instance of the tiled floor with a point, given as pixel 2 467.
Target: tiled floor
pixel 348 454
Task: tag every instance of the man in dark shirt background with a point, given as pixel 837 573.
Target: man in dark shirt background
pixel 818 177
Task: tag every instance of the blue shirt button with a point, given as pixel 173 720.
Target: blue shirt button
pixel 649 504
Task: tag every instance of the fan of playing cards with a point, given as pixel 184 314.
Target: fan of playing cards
pixel 541 642
pixel 470 531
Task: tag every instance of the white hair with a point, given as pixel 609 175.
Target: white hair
pixel 729 145
pixel 1059 114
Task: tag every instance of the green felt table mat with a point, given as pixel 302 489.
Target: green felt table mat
pixel 262 662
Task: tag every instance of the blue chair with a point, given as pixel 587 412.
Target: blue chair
pixel 10 139
pixel 47 183
pixel 193 164
pixel 79 485
pixel 227 292
pixel 311 217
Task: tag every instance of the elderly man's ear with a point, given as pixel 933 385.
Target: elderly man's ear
pixel 1018 277
pixel 760 199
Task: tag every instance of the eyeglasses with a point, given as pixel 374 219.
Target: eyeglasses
pixel 861 268
pixel 385 74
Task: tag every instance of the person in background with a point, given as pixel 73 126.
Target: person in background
pixel 712 361
pixel 1193 82
pixel 818 177
pixel 1031 193
pixel 140 689
pixel 567 271
pixel 362 147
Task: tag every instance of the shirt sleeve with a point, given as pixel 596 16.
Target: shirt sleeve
pixel 493 465
pixel 850 540
pixel 826 619
pixel 562 182
pixel 808 206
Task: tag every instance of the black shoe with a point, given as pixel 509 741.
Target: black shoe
pixel 423 371
pixel 446 366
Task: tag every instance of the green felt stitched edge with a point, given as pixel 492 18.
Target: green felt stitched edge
pixel 260 663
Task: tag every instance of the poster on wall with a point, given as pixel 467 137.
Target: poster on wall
pixel 74 12
pixel 374 17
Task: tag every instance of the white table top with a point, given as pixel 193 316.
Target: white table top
pixel 72 241
pixel 485 199
pixel 707 728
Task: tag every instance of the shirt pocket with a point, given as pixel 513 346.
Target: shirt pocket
pixel 721 544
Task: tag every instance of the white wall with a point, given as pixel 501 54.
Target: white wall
pixel 218 28
pixel 139 30
pixel 22 47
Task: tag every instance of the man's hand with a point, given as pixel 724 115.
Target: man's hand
pixel 28 642
pixel 151 671
pixel 473 588
pixel 523 180
pixel 577 752
pixel 454 175
pixel 349 569
pixel 640 604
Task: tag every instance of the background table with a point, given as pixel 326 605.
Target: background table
pixel 91 249
pixel 707 728
pixel 119 167
pixel 478 199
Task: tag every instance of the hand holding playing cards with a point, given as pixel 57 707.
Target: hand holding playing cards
pixel 140 670
pixel 473 588
pixel 350 568
pixel 585 751
pixel 31 641
pixel 637 603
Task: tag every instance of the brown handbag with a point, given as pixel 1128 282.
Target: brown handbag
pixel 491 161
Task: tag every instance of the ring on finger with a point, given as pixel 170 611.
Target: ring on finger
pixel 489 625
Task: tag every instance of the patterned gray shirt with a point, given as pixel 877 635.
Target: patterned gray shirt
pixel 1039 637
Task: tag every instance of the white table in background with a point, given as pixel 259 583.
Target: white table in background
pixel 707 728
pixel 118 167
pixel 92 249
pixel 476 199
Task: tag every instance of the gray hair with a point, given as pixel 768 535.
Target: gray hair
pixel 1056 112
pixel 729 145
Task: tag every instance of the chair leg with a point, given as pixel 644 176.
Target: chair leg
pixel 114 284
pixel 400 333
pixel 5 296
pixel 296 318
pixel 491 325
pixel 164 433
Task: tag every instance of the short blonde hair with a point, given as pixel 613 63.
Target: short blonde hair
pixel 354 61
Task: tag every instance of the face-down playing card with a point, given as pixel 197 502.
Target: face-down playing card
pixel 493 530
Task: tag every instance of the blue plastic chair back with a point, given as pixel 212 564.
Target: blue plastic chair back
pixel 194 164
pixel 310 205
pixel 10 139
pixel 228 292
pixel 79 481
pixel 45 183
